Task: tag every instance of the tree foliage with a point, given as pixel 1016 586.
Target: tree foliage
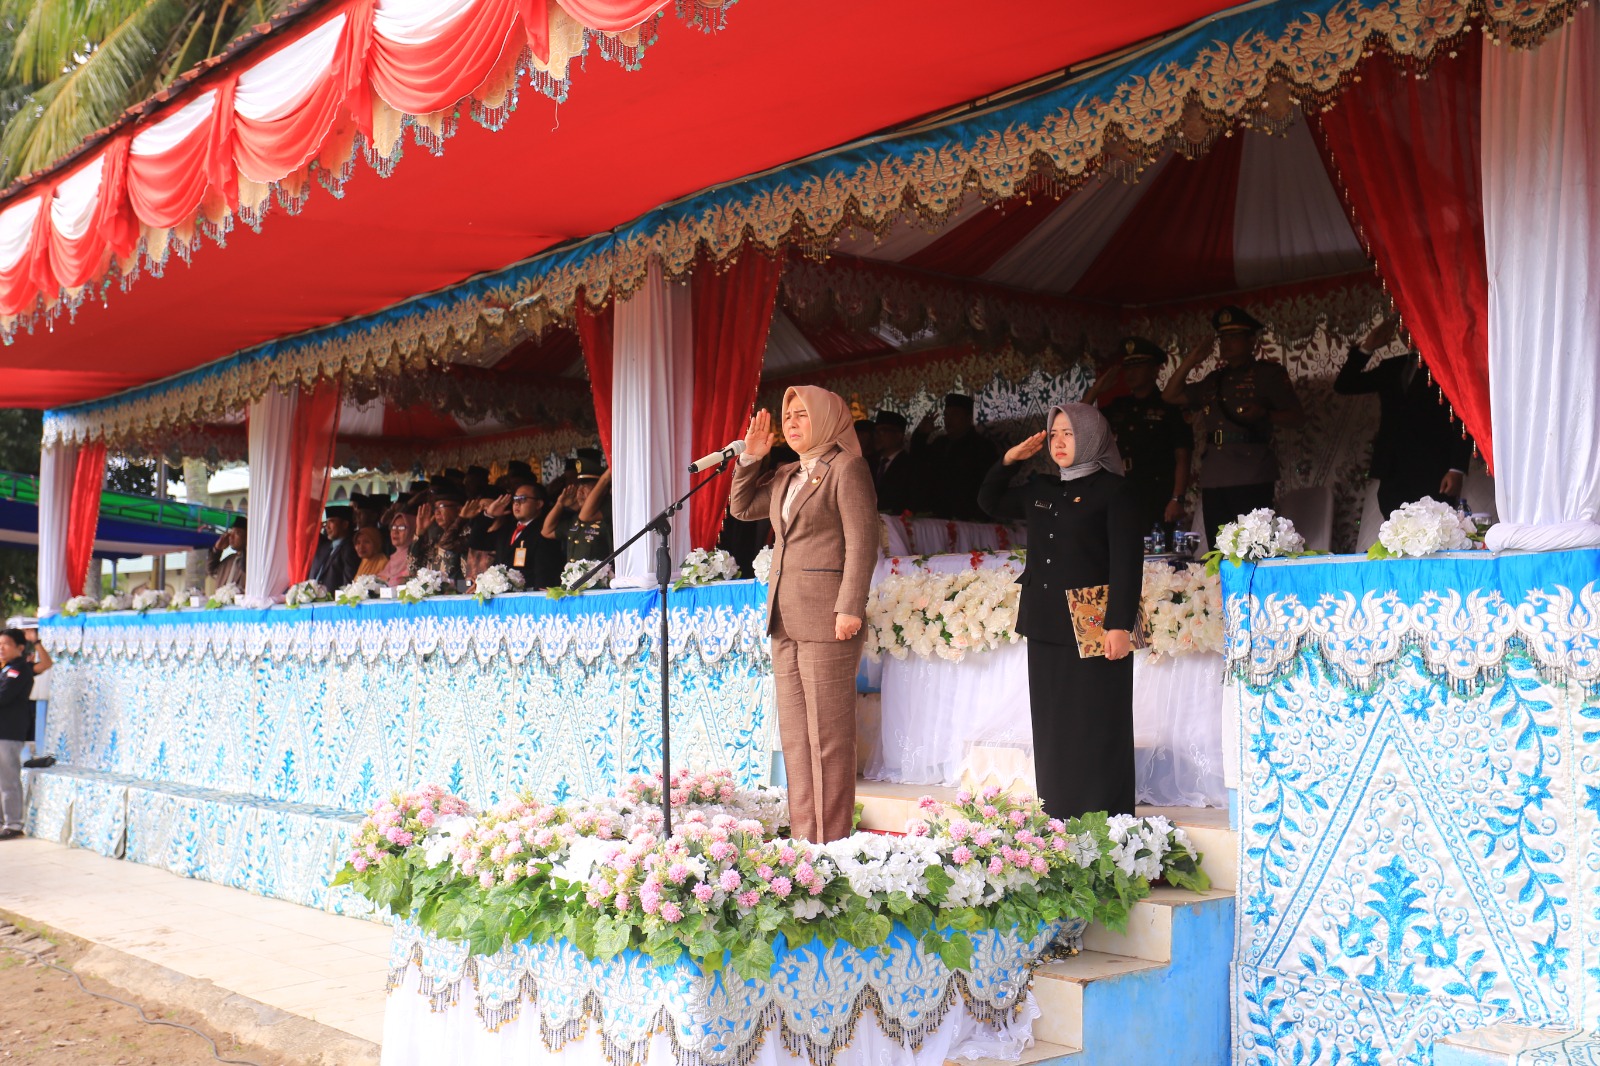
pixel 72 66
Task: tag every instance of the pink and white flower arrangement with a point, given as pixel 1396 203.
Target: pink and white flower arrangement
pixel 400 822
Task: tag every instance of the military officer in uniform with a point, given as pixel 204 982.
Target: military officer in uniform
pixel 1155 442
pixel 581 518
pixel 1236 409
pixel 1083 532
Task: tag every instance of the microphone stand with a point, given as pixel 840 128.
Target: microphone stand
pixel 661 526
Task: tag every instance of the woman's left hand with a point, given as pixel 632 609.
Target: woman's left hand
pixel 1119 642
pixel 845 626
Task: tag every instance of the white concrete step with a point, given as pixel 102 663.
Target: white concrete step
pixel 1505 1044
pixel 1059 989
pixel 1042 1053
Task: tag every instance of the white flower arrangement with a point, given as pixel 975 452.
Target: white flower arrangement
pixel 1261 534
pixel 225 596
pixel 1422 528
pixel 702 567
pixel 1182 609
pixel 305 592
pixel 149 599
pixel 946 615
pixel 189 597
pixel 116 601
pixel 496 581
pixel 426 583
pixel 363 588
pixel 80 605
pixel 761 566
pixel 1141 844
pixel 577 568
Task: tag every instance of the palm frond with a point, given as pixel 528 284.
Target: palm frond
pixel 120 72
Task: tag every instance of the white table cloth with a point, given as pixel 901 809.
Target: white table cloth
pixel 944 722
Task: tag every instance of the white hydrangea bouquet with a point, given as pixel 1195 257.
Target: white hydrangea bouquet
pixel 702 567
pixel 1261 534
pixel 149 599
pixel 496 581
pixel 359 591
pixel 225 596
pixel 947 615
pixel 189 597
pixel 306 592
pixel 576 569
pixel 80 605
pixel 116 601
pixel 1182 609
pixel 761 565
pixel 1422 528
pixel 426 583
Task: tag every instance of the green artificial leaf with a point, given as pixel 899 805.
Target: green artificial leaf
pixel 956 953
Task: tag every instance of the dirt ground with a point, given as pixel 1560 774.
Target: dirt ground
pixel 47 1020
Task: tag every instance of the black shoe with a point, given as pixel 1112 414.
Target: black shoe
pixel 10 834
pixel 43 762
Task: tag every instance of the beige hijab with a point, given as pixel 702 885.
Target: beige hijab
pixel 830 420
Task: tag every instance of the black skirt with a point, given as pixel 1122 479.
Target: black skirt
pixel 1082 713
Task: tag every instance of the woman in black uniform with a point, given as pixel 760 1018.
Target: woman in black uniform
pixel 1083 530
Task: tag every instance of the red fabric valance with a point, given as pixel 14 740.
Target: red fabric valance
pixel 1407 152
pixel 200 173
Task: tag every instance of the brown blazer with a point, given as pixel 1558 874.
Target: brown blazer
pixel 822 558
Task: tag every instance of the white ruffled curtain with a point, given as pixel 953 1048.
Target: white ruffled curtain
pixel 271 451
pixel 652 394
pixel 57 465
pixel 1541 215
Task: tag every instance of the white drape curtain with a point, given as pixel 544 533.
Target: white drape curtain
pixel 652 395
pixel 271 449
pixel 16 228
pixel 1541 215
pixel 57 465
pixel 280 83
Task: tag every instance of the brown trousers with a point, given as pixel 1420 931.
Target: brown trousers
pixel 816 690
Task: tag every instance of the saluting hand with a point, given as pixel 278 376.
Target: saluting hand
pixel 498 506
pixel 1029 447
pixel 758 442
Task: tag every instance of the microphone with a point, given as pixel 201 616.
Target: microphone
pixel 716 458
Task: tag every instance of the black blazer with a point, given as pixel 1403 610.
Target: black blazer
pixel 1416 435
pixel 542 558
pixel 16 704
pixel 334 568
pixel 1080 533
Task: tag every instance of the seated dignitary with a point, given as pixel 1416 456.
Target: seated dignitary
pixel 335 562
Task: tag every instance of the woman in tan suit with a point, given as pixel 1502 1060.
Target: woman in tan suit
pixel 824 516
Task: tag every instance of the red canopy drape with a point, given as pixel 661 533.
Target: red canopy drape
pixel 316 423
pixel 83 513
pixel 1406 153
pixel 595 332
pixel 732 314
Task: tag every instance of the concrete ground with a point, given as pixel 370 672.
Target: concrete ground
pixel 306 984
